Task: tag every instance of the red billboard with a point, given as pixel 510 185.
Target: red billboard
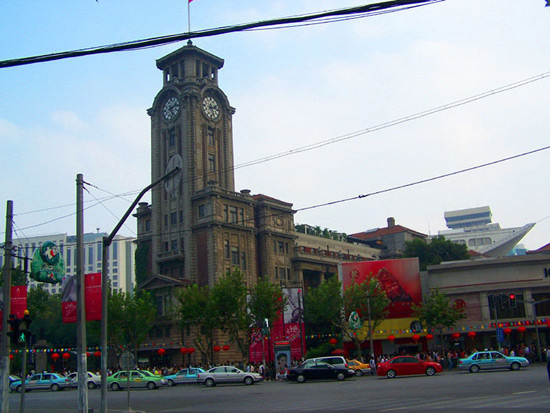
pixel 400 279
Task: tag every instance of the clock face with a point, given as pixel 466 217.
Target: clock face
pixel 210 107
pixel 171 108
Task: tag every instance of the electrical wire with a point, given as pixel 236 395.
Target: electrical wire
pixel 164 40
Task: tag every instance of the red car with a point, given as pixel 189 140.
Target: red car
pixel 407 365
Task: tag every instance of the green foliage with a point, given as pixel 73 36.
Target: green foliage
pixel 229 298
pixel 323 350
pixel 438 313
pixel 435 252
pixel 130 318
pixel 323 307
pixel 18 277
pixel 266 301
pixel 196 309
pixel 141 263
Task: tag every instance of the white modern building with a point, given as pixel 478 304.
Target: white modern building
pixel 120 266
pixel 474 228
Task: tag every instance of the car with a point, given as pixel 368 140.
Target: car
pixel 190 375
pixel 359 367
pixel 332 360
pixel 94 380
pixel 228 374
pixel 42 381
pixel 407 365
pixel 12 379
pixel 317 369
pixel 488 360
pixel 138 378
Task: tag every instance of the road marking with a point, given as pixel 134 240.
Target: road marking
pixel 525 392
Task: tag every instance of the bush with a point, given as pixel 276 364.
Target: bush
pixel 323 350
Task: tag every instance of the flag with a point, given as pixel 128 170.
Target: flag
pixel 68 300
pixel 18 301
pixel 92 293
pixel 189 1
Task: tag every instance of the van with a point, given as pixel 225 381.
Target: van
pixel 334 360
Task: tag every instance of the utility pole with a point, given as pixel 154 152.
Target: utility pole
pixel 5 348
pixel 82 364
pixel 105 282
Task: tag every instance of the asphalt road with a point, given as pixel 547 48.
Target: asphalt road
pixel 527 389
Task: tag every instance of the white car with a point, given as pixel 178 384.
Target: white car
pixel 94 380
pixel 228 374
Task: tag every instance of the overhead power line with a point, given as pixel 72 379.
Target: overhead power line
pixel 164 40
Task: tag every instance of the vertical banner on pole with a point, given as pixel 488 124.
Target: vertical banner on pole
pixel 18 302
pixel 92 291
pixel 68 299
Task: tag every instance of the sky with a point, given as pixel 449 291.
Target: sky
pixel 291 88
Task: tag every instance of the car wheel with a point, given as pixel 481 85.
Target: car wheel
pixel 301 378
pixel 359 373
pixel 515 366
pixel 430 371
pixel 19 389
pixel 91 385
pixel 55 387
pixel 248 381
pixel 341 377
pixel 390 374
pixel 474 368
pixel 115 386
pixel 151 385
pixel 210 383
pixel 171 383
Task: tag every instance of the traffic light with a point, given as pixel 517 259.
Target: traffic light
pixel 512 298
pixel 14 333
pixel 24 328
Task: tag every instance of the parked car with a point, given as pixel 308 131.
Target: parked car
pixel 12 379
pixel 42 381
pixel 94 380
pixel 487 360
pixel 359 367
pixel 317 369
pixel 408 365
pixel 190 375
pixel 138 379
pixel 228 374
pixel 332 360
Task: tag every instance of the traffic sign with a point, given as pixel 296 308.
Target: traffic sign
pixel 500 335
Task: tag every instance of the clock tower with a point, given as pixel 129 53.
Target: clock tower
pixel 200 226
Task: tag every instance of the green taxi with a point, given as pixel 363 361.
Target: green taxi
pixel 138 378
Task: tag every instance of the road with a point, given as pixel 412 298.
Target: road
pixel 527 389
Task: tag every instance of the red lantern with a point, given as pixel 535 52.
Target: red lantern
pixel 66 356
pixel 548 323
pixel 429 336
pixel 225 348
pixel 55 356
pixel 191 350
pixel 521 329
pixel 183 350
pixel 11 356
pixel 161 351
pixel 97 353
pixel 415 337
pixel 88 354
pixel 472 334
pixel 507 331
pixel 333 341
pixel 391 338
pixel 455 336
pixel 217 348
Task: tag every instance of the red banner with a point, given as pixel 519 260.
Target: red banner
pixel 92 292
pixel 18 303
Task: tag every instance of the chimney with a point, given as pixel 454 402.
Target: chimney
pixel 391 222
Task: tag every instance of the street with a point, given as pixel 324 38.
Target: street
pixel 527 389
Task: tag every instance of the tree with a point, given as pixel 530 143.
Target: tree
pixel 141 263
pixel 367 298
pixel 435 252
pixel 130 318
pixel 229 298
pixel 438 313
pixel 18 277
pixel 323 307
pixel 197 310
pixel 266 302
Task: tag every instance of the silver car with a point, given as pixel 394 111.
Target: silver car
pixel 228 374
pixel 94 380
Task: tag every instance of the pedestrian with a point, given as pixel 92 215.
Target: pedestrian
pixel 548 363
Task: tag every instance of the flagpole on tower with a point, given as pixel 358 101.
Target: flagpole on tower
pixel 189 16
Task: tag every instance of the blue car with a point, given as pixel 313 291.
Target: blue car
pixel 488 360
pixel 189 375
pixel 42 381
